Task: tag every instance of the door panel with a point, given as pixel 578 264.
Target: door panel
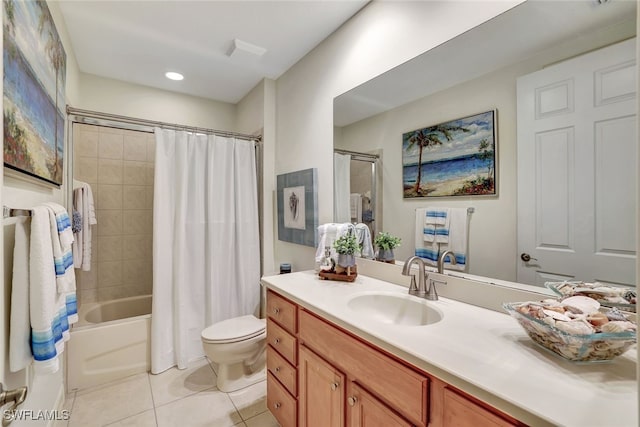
pixel 577 167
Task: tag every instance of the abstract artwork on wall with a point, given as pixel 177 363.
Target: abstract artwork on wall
pixel 454 158
pixel 298 207
pixel 34 91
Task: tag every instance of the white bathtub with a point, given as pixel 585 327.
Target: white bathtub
pixel 110 341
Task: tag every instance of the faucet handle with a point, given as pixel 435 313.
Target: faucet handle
pixel 413 287
pixel 432 293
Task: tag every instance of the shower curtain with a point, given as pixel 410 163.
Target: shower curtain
pixel 206 250
pixel 341 187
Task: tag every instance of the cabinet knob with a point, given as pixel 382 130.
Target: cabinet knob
pixel 277 405
pixel 276 310
pixel 352 400
pixel 278 369
pixel 276 341
pixel 334 386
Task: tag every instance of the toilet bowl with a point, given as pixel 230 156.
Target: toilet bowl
pixel 238 347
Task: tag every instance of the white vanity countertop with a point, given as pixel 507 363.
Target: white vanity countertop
pixel 484 353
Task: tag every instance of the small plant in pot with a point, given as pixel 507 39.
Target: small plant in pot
pixel 346 246
pixel 386 243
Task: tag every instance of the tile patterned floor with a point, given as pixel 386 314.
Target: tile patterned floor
pixel 174 398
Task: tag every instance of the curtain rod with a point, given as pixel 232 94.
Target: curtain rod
pixel 355 153
pixel 164 125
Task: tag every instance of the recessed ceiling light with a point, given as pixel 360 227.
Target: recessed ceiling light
pixel 173 75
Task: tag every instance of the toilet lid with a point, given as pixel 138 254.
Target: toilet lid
pixel 236 329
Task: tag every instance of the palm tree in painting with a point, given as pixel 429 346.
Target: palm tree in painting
pixel 428 138
pixel 485 152
pixel 57 58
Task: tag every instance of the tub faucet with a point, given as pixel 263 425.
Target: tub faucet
pixel 421 290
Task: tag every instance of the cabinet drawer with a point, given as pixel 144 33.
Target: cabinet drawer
pixel 280 403
pixel 282 311
pixel 282 370
pixel 462 412
pixel 398 386
pixel 285 343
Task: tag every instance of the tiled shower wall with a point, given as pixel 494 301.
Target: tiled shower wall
pixel 119 166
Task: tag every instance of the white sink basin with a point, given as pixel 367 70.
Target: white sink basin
pixel 394 308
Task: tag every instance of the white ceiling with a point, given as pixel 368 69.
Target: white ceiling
pixel 138 41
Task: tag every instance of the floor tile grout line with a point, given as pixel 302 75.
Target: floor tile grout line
pixel 234 407
pixel 153 400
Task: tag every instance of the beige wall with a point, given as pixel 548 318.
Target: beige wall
pixel 379 37
pixel 118 165
pixel 45 391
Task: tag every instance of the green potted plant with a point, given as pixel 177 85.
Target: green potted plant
pixel 346 246
pixel 386 243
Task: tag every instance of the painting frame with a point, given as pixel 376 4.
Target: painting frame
pixel 34 104
pixel 298 217
pixel 457 157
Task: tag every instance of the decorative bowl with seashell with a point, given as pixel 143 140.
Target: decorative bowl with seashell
pixel 622 297
pixel 576 328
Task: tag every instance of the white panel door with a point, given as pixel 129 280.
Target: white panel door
pixel 576 169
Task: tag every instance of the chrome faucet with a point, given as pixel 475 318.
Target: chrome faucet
pixel 16 396
pixel 421 290
pixel 432 293
pixel 452 258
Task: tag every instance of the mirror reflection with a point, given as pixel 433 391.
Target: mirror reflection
pixel 544 223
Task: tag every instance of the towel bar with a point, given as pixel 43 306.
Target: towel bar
pixel 8 212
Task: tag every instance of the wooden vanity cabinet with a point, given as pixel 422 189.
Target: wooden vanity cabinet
pixel 322 376
pixel 395 388
pixel 282 359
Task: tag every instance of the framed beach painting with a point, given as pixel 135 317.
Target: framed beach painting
pixel 34 91
pixel 454 158
pixel 298 207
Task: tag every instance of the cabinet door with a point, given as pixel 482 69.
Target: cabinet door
pixel 366 411
pixel 321 391
pixel 462 412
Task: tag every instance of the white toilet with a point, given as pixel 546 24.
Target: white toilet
pixel 238 347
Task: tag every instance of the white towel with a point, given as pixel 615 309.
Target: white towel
pixel 83 203
pixel 425 250
pixel 327 235
pixel 61 240
pixel 43 294
pixel 50 311
pixel 363 234
pixel 458 238
pixel 20 326
pixel 355 201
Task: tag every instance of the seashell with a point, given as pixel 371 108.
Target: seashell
pixel 549 321
pixel 556 315
pixel 576 327
pixel 584 304
pixel 615 314
pixel 597 319
pixel 616 299
pixel 630 296
pixel 618 326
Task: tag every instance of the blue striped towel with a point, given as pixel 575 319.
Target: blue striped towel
pixel 61 240
pixel 436 216
pixel 436 225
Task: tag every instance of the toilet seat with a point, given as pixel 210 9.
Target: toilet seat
pixel 234 330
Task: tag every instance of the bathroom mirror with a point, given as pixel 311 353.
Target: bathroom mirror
pixel 472 73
